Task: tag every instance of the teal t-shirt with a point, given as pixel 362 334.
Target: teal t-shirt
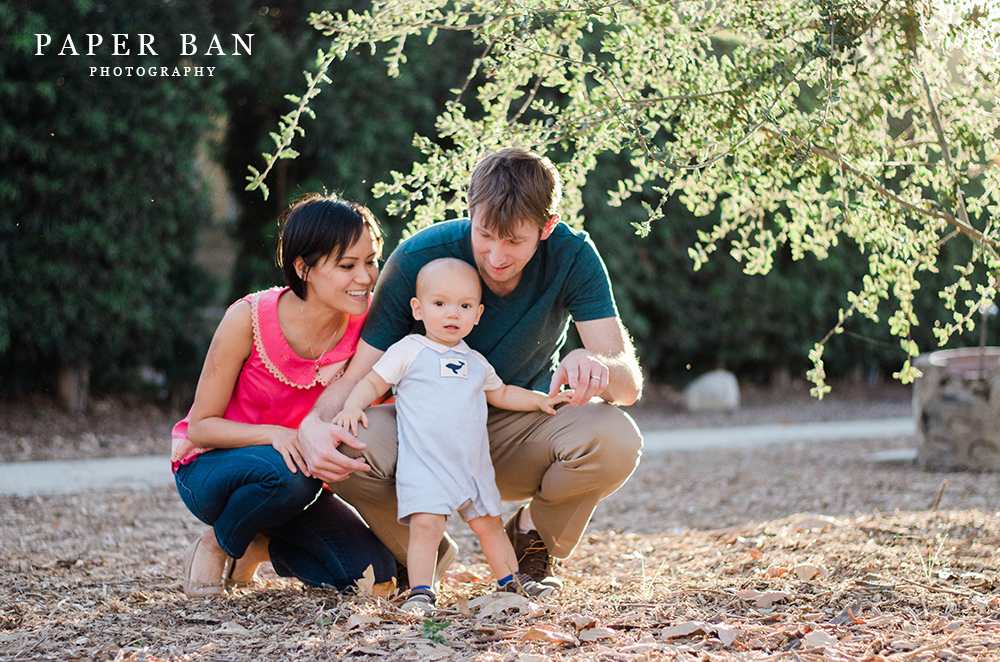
pixel 522 334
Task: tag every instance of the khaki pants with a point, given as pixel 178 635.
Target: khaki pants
pixel 564 464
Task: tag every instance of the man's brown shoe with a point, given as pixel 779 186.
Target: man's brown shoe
pixel 533 558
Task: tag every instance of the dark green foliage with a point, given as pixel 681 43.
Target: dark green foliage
pixel 364 125
pixel 100 200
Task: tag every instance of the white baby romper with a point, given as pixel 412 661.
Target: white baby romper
pixel 443 464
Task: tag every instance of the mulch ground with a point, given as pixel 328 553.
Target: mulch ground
pixel 907 586
pixel 798 552
pixel 96 577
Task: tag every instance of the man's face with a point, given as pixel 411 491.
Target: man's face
pixel 501 260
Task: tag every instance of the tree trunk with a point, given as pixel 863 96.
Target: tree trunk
pixel 74 387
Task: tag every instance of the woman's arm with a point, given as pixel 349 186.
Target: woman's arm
pixel 230 348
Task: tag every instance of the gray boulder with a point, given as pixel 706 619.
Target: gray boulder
pixel 717 390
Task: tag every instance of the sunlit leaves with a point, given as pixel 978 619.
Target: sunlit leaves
pixel 801 122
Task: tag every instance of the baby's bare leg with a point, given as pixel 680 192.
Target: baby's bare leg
pixel 496 545
pixel 426 530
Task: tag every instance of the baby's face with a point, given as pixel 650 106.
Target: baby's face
pixel 447 302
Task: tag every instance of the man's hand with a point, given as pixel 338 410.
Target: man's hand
pixel 319 441
pixel 584 372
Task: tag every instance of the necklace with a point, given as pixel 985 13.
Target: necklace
pixel 312 352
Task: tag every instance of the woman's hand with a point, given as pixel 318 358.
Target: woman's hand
pixel 181 448
pixel 286 441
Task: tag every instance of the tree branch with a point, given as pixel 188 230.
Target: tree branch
pixel 961 224
pixel 946 152
pixel 680 97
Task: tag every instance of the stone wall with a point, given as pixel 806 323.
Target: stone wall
pixel 957 406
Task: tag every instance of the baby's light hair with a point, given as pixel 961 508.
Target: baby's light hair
pixel 452 264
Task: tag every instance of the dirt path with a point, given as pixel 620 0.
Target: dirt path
pixel 35 429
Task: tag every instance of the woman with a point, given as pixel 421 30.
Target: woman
pixel 236 458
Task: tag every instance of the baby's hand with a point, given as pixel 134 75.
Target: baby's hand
pixel 348 419
pixel 548 404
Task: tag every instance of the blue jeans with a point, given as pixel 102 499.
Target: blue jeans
pixel 315 536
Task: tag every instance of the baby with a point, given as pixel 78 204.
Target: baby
pixel 443 464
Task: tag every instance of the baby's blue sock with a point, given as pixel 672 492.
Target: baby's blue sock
pixel 508 579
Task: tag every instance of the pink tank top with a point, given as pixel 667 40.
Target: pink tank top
pixel 276 386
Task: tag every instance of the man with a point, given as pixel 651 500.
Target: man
pixel 538 275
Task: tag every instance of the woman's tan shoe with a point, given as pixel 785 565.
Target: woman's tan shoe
pixel 194 589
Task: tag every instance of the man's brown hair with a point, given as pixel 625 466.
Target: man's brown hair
pixel 513 185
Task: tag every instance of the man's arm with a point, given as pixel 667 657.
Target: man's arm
pixel 606 366
pixel 319 437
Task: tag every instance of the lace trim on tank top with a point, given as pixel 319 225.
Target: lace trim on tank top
pixel 258 342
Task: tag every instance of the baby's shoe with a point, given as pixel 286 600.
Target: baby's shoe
pixel 526 586
pixel 421 599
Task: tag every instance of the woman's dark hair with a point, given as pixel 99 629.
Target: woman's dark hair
pixel 318 226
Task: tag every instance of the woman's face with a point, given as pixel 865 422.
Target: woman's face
pixel 345 284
